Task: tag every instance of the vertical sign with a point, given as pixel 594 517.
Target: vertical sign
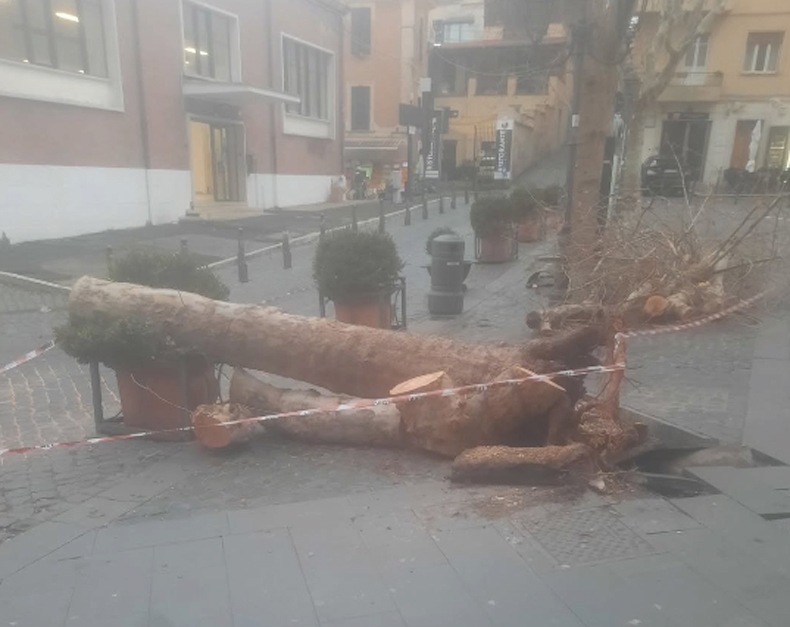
pixel 432 165
pixel 504 149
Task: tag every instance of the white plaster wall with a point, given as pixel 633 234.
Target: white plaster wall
pixel 292 190
pixel 44 202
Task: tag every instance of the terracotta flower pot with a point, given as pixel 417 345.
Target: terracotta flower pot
pixel 371 310
pixel 151 398
pixel 530 230
pixel 495 248
pixel 553 219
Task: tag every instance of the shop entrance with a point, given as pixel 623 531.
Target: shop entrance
pixel 218 163
pixel 686 141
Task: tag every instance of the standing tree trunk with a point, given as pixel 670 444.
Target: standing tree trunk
pixel 631 187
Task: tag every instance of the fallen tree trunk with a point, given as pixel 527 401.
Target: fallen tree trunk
pixel 354 360
pixel 211 430
pixel 369 426
pixel 507 464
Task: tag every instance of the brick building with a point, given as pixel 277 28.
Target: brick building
pixel 114 113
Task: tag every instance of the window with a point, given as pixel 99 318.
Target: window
pixel 207 43
pixel 458 32
pixel 491 84
pixel 360 31
pixel 63 34
pixel 762 52
pixel 697 54
pixel 306 73
pixel 532 82
pixel 360 108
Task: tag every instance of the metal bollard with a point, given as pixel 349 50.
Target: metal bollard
pixel 466 191
pixel 184 246
pixel 453 203
pixel 354 223
pixel 244 273
pixel 382 218
pixel 424 206
pixel 323 224
pixel 109 255
pixel 407 217
pixel 287 260
pixel 441 202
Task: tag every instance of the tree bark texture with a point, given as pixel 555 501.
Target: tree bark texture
pixel 370 426
pixel 520 465
pixel 346 359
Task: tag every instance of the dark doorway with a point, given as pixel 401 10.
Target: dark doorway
pixel 687 142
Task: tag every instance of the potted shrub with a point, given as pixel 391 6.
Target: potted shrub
pixel 492 221
pixel 356 271
pixel 528 215
pixel 146 363
pixel 551 200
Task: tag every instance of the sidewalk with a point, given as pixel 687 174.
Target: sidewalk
pixel 65 260
pixel 289 534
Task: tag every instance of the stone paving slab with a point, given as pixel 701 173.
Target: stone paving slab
pixel 369 559
pixel 747 489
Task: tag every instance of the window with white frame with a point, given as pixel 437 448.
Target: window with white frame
pixel 697 54
pixel 306 73
pixel 209 38
pixel 762 52
pixel 62 34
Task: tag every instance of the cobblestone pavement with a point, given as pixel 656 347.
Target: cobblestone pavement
pixel 49 398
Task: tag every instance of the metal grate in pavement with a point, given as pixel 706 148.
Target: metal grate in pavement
pixel 583 536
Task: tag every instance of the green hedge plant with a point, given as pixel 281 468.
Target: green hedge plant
pixel 491 216
pixel 350 264
pixel 130 342
pixel 525 204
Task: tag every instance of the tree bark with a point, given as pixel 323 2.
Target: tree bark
pixel 210 430
pixel 631 187
pixel 347 359
pixel 497 464
pixel 369 426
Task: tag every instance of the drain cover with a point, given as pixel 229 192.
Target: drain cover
pixel 584 536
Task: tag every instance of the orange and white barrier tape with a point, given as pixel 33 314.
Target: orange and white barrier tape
pixel 28 357
pixel 359 404
pixel 619 352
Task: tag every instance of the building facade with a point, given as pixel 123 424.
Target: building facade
pixel 385 57
pixel 727 109
pixel 500 64
pixel 118 113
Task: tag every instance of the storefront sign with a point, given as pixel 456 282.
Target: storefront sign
pixel 504 150
pixel 688 116
pixel 432 165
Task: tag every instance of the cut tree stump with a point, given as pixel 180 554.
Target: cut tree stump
pixel 212 433
pixel 448 425
pixel 369 426
pixel 505 464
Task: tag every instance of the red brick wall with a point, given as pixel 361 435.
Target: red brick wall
pixel 47 133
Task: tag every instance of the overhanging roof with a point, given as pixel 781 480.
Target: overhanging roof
pixel 233 93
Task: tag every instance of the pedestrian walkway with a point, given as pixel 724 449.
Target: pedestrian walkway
pixel 65 260
pixel 417 554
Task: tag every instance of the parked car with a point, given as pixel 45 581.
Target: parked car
pixel 663 176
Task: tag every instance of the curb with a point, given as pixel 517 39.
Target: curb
pixel 308 238
pixel 9 278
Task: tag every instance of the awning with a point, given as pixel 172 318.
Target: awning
pixel 233 93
